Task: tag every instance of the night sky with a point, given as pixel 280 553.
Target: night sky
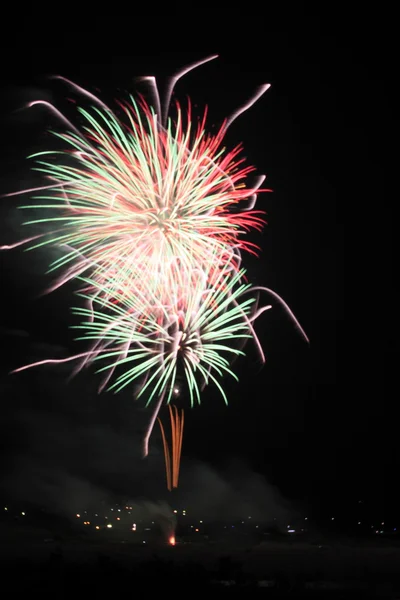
pixel 319 422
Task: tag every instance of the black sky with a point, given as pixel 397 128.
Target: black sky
pixel 319 422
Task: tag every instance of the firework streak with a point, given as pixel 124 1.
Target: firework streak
pixel 173 457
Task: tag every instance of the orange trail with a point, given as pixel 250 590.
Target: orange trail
pixel 173 457
pixel 167 456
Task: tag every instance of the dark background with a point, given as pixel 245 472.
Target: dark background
pixel 318 422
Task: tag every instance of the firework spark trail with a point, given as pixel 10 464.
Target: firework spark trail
pixel 173 457
pixel 166 455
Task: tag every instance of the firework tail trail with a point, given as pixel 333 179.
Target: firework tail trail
pixel 173 457
pixel 166 455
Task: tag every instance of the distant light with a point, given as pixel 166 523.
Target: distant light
pixel 118 519
pixel 359 523
pixel 119 510
pixel 292 531
pixel 5 508
pixel 196 530
pixel 97 527
pixel 96 515
pixel 376 531
pixel 176 391
pixel 306 518
pixel 242 522
pixel 172 540
pixel 256 526
pixel 175 511
pixel 78 516
pixel 134 527
pixel 333 518
pixel 382 523
pixel 288 526
pixel 23 514
pixel 381 531
pixel 144 542
pixel 233 526
pixel 249 517
pixel 112 509
pixel 192 526
pixel 109 525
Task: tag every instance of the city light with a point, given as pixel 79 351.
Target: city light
pixel 109 525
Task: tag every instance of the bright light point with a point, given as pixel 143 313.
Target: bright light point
pixel 176 391
pixel 5 508
pixel 333 518
pixel 97 527
pixel 196 530
pixel 78 516
pixel 175 512
pixel 292 531
pixel 118 519
pixel 23 514
pixel 200 521
pixel 109 525
pixel 172 540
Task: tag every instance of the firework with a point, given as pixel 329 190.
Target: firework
pixel 151 213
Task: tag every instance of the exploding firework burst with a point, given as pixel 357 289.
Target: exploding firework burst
pixel 151 214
